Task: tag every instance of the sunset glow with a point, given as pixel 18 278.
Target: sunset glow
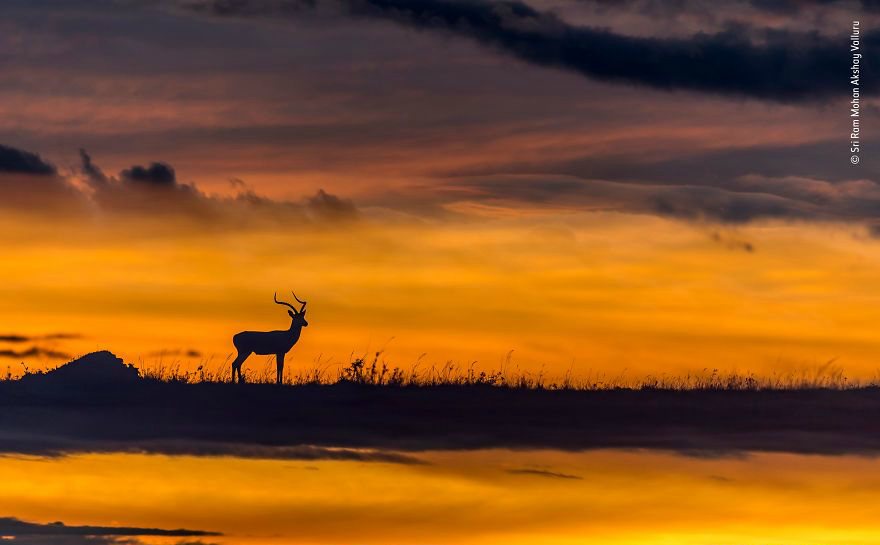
pixel 439 272
pixel 565 499
pixel 582 291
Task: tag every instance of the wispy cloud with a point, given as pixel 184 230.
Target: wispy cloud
pixel 543 473
pixel 189 353
pixel 34 351
pixel 21 338
pixel 54 446
pixel 19 529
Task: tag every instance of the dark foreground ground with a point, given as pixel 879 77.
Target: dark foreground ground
pixel 97 405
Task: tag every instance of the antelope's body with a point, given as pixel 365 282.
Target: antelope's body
pixel 267 343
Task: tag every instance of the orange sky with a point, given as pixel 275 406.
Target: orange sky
pixel 472 498
pixel 586 291
pixel 609 189
pixel 662 221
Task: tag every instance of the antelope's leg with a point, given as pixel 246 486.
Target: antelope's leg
pixel 279 360
pixel 236 365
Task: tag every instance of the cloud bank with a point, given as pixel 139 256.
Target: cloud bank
pixel 22 162
pixel 729 195
pixel 58 533
pixel 14 527
pixel 775 65
pixel 50 446
pixel 30 184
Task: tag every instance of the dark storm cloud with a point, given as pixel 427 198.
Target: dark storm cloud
pixel 780 7
pixel 793 6
pixel 19 529
pixel 158 174
pixel 778 65
pixel 27 182
pixel 23 162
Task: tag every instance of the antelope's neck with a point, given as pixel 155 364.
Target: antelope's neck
pixel 294 332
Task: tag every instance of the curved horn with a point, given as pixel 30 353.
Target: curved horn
pixel 293 308
pixel 303 303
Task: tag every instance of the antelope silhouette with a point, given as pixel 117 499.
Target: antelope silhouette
pixel 266 343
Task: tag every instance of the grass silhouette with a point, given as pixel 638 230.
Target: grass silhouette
pixel 98 403
pixel 373 370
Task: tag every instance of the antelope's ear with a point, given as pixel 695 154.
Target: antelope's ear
pixel 291 313
pixel 303 312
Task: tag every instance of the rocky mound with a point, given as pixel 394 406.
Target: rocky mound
pixel 98 367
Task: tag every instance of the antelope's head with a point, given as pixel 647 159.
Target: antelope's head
pixel 298 316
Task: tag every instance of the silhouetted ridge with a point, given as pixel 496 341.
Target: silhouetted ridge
pixel 97 367
pixel 97 404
